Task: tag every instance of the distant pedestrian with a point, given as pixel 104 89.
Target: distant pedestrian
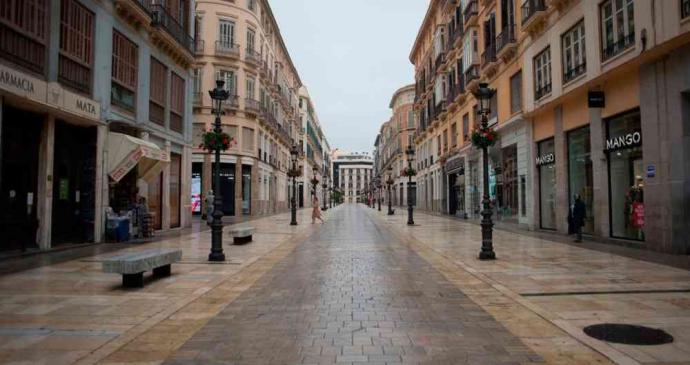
pixel 316 211
pixel 209 202
pixel 576 218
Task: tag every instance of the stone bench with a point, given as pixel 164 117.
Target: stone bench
pixel 132 265
pixel 241 234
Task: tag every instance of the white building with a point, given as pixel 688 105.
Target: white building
pixel 352 172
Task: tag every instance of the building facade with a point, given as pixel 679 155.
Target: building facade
pixel 394 137
pixel 590 101
pixel 240 43
pixel 92 120
pixel 315 157
pixel 352 175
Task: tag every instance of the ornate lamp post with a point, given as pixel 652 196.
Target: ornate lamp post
pixel 389 183
pixel 324 185
pixel 378 191
pixel 314 182
pixel 330 196
pixel 409 172
pixel 218 95
pixel 484 95
pixel 293 173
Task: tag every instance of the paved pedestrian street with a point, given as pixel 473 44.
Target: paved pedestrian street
pixel 362 288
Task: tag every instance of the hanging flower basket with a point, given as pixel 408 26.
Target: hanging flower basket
pixel 484 137
pixel 216 141
pixel 315 181
pixel 408 172
pixel 294 173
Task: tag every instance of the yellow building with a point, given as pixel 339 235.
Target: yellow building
pixel 240 43
pixel 592 100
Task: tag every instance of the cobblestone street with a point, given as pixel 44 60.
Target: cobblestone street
pixel 361 288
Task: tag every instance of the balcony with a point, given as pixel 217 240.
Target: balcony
pixel 542 91
pixel 252 106
pixel 252 58
pixel 533 15
pixel 198 98
pixel 612 49
pixel 161 18
pixel 233 103
pixel 136 12
pixel 489 59
pixel 74 74
pixel 470 14
pixel 227 49
pixel 198 47
pixel 573 72
pixel 506 44
pixel 472 77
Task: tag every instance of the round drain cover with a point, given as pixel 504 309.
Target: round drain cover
pixel 628 334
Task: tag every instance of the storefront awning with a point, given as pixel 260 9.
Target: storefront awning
pixel 125 152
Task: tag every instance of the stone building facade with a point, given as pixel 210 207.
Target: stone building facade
pixel 94 114
pixel 240 43
pixel 590 102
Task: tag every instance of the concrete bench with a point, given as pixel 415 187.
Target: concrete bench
pixel 132 265
pixel 241 234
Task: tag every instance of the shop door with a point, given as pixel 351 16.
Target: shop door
pixel 509 201
pixel 74 176
pixel 21 133
pixel 452 195
pixel 155 201
pixel 175 189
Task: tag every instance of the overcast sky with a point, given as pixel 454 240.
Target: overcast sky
pixel 352 55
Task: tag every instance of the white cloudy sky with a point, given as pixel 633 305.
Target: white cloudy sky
pixel 352 55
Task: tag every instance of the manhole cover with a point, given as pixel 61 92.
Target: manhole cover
pixel 628 334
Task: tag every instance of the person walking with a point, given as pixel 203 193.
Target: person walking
pixel 316 210
pixel 576 218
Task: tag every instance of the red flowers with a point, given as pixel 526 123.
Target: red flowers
pixel 484 137
pixel 215 141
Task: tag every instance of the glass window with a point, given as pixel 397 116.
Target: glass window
pixel 230 80
pixel 626 182
pixel 226 33
pixel 124 72
pixel 466 127
pixel 516 92
pixel 250 88
pixel 547 184
pixel 247 139
pixel 573 45
pixel 251 35
pixel 618 26
pixel 580 173
pixel 542 74
pixel 684 8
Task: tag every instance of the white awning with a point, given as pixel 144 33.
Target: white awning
pixel 125 152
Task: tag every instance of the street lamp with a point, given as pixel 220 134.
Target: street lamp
pixel 324 184
pixel 409 172
pixel 484 95
pixel 218 95
pixel 378 191
pixel 389 182
pixel 314 182
pixel 293 173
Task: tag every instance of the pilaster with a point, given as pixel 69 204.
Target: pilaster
pixel 44 212
pixel 600 175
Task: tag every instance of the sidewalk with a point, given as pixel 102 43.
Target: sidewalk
pixel 546 292
pixel 71 312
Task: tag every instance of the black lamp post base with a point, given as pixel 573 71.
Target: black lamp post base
pixel 487 255
pixel 216 256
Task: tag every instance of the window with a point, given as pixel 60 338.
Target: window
pixel 573 45
pixel 251 5
pixel 159 76
pixel 516 92
pixel 124 73
pixel 618 26
pixel 466 127
pixel 197 75
pixel 251 36
pixel 226 33
pixel 25 27
pixel 684 8
pixel 176 103
pixel 230 81
pixel 250 88
pixel 453 134
pixel 247 139
pixel 76 46
pixel 542 74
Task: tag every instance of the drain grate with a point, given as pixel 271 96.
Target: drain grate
pixel 628 334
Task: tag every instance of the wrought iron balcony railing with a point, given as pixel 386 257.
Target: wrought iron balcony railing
pixel 542 91
pixel 506 37
pixel 227 49
pixel 574 71
pixel 471 9
pixel 614 48
pixel 161 17
pixel 198 47
pixel 531 7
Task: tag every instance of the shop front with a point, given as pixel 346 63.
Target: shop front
pixel 580 173
pixel 455 175
pixel 623 147
pixel 546 169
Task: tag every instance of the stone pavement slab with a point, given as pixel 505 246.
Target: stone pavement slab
pixel 351 293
